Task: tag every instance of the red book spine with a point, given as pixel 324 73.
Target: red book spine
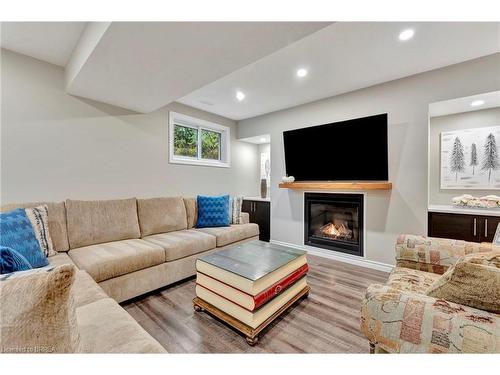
pixel 280 286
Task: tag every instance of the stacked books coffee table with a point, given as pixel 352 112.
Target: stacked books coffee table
pixel 250 285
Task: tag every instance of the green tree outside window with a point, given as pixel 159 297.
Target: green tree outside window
pixel 210 145
pixel 185 141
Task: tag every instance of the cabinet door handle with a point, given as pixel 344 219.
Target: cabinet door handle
pixel 485 227
pixel 475 226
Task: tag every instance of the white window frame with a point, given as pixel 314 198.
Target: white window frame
pixel 192 122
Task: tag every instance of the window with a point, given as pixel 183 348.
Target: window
pixel 199 142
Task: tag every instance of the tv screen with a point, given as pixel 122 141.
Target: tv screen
pixel 340 151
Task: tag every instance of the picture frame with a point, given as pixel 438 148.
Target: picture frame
pixel 470 159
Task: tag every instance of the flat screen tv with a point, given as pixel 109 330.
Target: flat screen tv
pixel 352 150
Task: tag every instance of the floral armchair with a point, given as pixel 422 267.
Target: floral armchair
pixel 400 317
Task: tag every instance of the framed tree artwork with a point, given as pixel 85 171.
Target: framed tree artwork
pixel 470 159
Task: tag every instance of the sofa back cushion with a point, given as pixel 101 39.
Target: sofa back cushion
pixel 93 222
pixel 191 212
pixel 161 215
pixel 38 314
pixel 57 221
pixel 473 281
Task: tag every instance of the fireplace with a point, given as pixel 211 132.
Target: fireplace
pixel 334 222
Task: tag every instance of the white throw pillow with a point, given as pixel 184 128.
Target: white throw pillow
pixel 39 218
pixel 235 207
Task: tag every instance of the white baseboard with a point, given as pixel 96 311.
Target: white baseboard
pixel 362 262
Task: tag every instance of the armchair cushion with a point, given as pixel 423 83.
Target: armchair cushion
pixel 474 281
pixel 410 280
pixel 434 255
pixel 406 322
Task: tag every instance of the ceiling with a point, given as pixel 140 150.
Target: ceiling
pixel 460 105
pixel 340 58
pixel 144 66
pixel 258 140
pixel 52 42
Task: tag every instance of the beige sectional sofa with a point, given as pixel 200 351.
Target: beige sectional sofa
pixel 124 248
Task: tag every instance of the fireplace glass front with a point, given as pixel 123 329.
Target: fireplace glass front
pixel 334 222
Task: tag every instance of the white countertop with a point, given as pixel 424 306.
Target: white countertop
pixel 464 210
pixel 257 199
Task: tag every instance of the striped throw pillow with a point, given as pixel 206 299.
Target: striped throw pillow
pixel 39 218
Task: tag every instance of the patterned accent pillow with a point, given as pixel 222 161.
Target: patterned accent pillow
pixel 12 261
pixel 17 233
pixel 38 314
pixel 474 281
pixel 39 217
pixel 235 210
pixel 213 211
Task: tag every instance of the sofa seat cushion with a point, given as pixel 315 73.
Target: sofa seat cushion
pixel 86 290
pixel 59 259
pixel 234 233
pixel 410 280
pixel 182 243
pixel 107 260
pixel 105 327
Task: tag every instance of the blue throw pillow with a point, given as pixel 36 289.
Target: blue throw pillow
pixel 12 261
pixel 213 211
pixel 17 234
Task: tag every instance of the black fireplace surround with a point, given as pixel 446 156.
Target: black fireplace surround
pixel 334 222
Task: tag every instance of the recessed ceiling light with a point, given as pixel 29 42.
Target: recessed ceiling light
pixel 262 139
pixel 301 72
pixel 406 34
pixel 240 96
pixel 477 103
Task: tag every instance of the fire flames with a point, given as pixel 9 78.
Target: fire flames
pixel 340 231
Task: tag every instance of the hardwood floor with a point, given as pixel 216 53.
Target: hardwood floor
pixel 326 322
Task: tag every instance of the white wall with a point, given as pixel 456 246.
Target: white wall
pixel 459 121
pixel 404 209
pixel 56 146
pixel 265 148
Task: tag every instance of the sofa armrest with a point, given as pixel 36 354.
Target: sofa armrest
pixel 433 254
pixel 407 322
pixel 245 218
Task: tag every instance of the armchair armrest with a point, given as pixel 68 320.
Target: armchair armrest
pixel 407 322
pixel 431 254
pixel 245 218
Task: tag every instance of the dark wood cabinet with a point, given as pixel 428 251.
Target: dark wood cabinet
pixel 474 228
pixel 260 213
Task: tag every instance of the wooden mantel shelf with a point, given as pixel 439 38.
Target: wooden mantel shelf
pixel 325 185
